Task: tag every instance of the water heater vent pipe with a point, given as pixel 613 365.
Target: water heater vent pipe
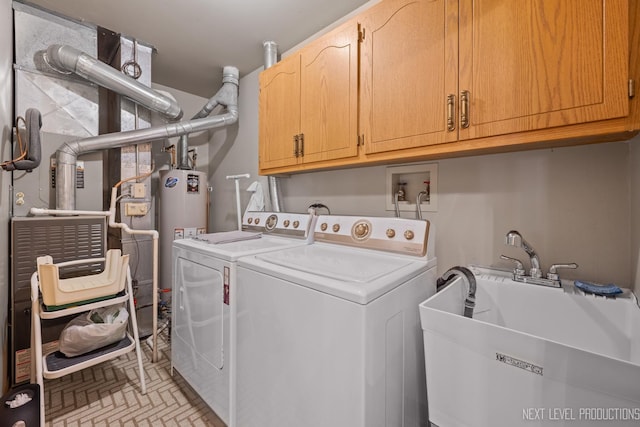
pixel 270 58
pixel 67 154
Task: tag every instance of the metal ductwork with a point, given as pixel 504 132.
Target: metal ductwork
pixel 214 101
pixel 67 154
pixel 65 59
pixel 270 58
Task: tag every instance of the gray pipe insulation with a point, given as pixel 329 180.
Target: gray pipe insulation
pixel 33 122
pixel 67 154
pixel 64 58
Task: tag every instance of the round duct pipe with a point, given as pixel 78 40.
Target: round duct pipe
pixel 270 58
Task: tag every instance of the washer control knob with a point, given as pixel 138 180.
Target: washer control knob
pixel 286 223
pixel 257 221
pixel 249 220
pixel 271 222
pixel 391 233
pixel 361 230
pixel 408 235
pixel 323 226
pixel 336 228
pixel 296 224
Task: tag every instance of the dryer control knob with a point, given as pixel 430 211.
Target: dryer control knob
pixel 257 221
pixel 336 228
pixel 286 223
pixel 391 233
pixel 323 226
pixel 249 220
pixel 296 224
pixel 408 235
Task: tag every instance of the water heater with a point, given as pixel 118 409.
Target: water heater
pixel 183 213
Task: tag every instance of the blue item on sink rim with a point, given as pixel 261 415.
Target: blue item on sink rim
pixel 598 289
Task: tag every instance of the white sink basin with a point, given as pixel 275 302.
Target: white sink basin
pixel 531 356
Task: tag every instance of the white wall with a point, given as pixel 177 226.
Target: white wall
pixel 234 151
pixel 6 124
pixel 634 190
pixel 572 204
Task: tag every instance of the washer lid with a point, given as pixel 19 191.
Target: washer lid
pixel 354 274
pixel 233 250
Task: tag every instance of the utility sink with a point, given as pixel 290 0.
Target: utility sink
pixel 531 355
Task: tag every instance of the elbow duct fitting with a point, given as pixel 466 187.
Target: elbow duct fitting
pixel 67 154
pixel 229 75
pixel 64 58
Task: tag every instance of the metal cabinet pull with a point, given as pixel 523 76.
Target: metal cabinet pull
pixel 464 109
pixel 295 145
pixel 451 107
pixel 301 139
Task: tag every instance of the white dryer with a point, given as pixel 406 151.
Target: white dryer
pixel 329 334
pixel 203 300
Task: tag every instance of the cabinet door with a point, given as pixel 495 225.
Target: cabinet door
pixel 329 95
pixel 409 71
pixel 279 113
pixel 533 64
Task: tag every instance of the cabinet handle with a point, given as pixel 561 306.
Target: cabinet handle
pixel 451 107
pixel 301 139
pixel 464 109
pixel 295 145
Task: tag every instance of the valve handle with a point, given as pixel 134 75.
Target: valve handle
pixel 553 268
pixel 519 264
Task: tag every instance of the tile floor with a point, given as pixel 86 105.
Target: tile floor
pixel 109 395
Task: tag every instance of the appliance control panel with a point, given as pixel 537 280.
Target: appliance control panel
pixel 400 235
pixel 279 223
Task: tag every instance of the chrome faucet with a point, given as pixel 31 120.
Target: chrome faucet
pixel 418 200
pixel 513 238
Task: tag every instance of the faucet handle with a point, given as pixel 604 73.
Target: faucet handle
pixel 553 275
pixel 519 270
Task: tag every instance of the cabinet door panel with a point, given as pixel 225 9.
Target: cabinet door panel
pixel 279 113
pixel 409 67
pixel 329 96
pixel 532 64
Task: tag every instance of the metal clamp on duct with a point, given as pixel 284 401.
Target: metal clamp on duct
pixel 30 153
pixel 64 59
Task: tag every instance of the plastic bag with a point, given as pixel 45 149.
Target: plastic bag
pixel 94 329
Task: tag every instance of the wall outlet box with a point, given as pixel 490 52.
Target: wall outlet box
pixel 139 190
pixel 135 209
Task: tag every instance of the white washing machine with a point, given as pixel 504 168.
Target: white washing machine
pixel 203 300
pixel 329 333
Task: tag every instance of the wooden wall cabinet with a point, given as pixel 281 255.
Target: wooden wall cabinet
pixel 444 78
pixel 308 103
pixel 448 70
